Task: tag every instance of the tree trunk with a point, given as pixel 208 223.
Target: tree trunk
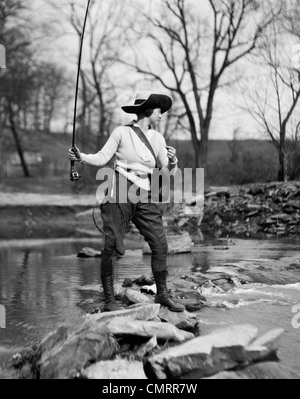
pixel 204 151
pixel 17 141
pixel 282 172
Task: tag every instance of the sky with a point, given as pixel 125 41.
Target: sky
pixel 63 45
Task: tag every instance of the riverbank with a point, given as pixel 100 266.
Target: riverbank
pixel 253 211
pixel 24 215
pixel 257 211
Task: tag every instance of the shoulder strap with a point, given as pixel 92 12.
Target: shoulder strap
pixel 144 139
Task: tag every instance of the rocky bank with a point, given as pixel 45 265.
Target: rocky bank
pixel 147 341
pixel 252 211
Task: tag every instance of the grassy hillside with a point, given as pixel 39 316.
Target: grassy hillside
pixel 238 162
pixel 230 162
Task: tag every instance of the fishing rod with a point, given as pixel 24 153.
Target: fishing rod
pixel 74 175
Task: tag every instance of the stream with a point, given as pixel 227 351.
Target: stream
pixel 39 281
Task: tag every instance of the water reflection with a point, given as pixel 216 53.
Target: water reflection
pixel 38 287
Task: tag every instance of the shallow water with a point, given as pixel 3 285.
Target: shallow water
pixel 39 283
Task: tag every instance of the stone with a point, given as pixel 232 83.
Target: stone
pixel 65 361
pixel 180 320
pixel 194 358
pixel 182 293
pixel 68 350
pixel 261 371
pixel 270 340
pixel 143 312
pixel 89 253
pixel 157 319
pixel 209 288
pixel 181 283
pixel 144 280
pixel 146 348
pixel 131 296
pixel 127 283
pixel 114 370
pixel 149 289
pixel 176 244
pixel 163 331
pixel 262 349
pixel 137 305
pixel 191 305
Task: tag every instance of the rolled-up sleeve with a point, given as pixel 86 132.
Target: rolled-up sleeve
pixel 108 151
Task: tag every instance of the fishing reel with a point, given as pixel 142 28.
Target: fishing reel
pixel 74 176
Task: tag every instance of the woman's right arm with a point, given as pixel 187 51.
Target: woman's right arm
pixel 104 156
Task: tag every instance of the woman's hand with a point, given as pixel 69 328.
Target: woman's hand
pixel 74 154
pixel 171 154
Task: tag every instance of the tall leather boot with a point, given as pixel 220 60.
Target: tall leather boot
pixel 108 287
pixel 162 295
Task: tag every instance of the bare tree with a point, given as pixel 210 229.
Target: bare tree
pixel 15 84
pixel 185 41
pixel 105 40
pixel 275 97
pixel 47 94
pixel 104 48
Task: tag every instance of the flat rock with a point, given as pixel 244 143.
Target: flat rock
pixel 66 360
pixel 183 284
pixel 130 295
pixel 261 371
pixel 182 293
pixel 144 312
pixel 176 244
pixel 68 350
pixel 163 331
pixel 115 369
pixel 262 349
pixel 270 340
pixel 192 305
pixel 195 357
pixel 89 253
pixel 180 320
pixel 144 280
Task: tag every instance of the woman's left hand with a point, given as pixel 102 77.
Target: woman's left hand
pixel 171 153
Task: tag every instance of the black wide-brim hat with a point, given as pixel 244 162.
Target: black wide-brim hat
pixel 144 101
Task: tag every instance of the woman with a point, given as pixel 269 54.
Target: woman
pixel 138 149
